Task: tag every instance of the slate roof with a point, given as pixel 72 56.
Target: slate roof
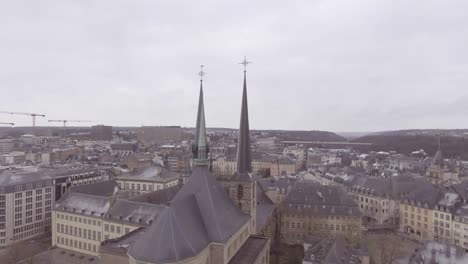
pixel 265 208
pixel 341 252
pixel 315 199
pixel 104 188
pixel 151 173
pixel 134 212
pixel 108 207
pixel 249 252
pixel 84 204
pixel 200 213
pixel 121 244
pixel 163 196
pixel 8 177
pixel 425 194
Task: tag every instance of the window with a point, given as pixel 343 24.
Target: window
pixel 106 227
pixel 240 191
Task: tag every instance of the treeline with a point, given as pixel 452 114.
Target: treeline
pixel 452 147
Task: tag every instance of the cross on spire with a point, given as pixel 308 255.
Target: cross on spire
pixel 245 63
pixel 201 73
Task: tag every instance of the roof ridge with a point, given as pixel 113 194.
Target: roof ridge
pixel 205 181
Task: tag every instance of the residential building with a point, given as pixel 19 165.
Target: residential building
pixel 443 215
pixel 160 133
pixel 314 209
pixel 26 202
pixel 81 222
pixel 136 160
pixel 27 199
pixel 148 179
pixel 379 198
pixel 101 132
pixel 417 213
pixel 6 145
pixel 276 188
pixel 64 179
pixel 178 161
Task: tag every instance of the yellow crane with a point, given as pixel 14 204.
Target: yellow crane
pixel 5 123
pixel 33 115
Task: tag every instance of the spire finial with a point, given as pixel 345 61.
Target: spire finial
pixel 245 63
pixel 201 73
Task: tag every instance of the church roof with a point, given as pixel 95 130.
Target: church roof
pixel 438 159
pixel 244 163
pixel 201 213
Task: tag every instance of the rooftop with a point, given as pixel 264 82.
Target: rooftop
pixel 151 173
pixel 250 250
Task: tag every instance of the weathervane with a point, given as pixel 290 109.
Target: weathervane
pixel 245 63
pixel 201 73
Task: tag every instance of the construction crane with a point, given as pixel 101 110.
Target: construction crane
pixel 67 121
pixel 4 123
pixel 33 115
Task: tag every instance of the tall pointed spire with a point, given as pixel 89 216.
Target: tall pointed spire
pixel 200 146
pixel 244 163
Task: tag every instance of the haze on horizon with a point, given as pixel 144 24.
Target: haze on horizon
pixel 333 65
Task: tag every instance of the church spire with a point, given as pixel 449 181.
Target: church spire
pixel 200 146
pixel 244 163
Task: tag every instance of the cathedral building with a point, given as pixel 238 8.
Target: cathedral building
pixel 204 224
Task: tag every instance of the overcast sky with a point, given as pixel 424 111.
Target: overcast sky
pixel 335 65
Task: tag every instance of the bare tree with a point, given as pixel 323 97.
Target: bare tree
pixel 385 250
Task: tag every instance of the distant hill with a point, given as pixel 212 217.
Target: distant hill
pixel 425 132
pixel 452 146
pixel 353 135
pixel 313 135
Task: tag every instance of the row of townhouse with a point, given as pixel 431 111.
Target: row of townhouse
pixel 436 213
pixel 379 198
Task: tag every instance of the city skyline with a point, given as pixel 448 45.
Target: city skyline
pixel 332 66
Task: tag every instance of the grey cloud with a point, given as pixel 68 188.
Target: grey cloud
pixel 317 64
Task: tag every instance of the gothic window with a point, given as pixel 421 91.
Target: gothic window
pixel 240 191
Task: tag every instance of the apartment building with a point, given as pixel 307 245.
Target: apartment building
pixel 148 179
pixel 314 209
pixel 26 202
pixel 460 227
pixel 417 213
pixel 27 199
pixel 460 216
pixel 64 179
pixel 80 222
pixel 379 198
